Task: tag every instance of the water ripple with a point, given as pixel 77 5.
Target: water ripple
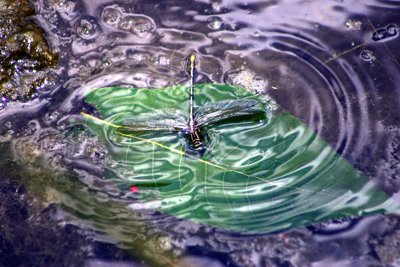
pixel 332 65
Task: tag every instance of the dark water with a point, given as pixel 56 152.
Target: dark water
pixel 335 65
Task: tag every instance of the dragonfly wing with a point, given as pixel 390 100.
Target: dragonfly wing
pixel 215 112
pixel 165 121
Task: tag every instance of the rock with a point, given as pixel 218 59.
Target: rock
pixel 25 56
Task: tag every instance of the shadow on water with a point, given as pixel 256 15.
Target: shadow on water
pixel 333 65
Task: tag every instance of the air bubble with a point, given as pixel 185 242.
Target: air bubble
pixel 107 63
pixel 111 16
pixel 88 28
pixel 379 35
pixel 136 24
pixel 215 23
pixel 391 29
pixel 51 117
pixel 143 27
pixel 385 34
pixel 216 6
pixel 368 55
pixel 127 23
pixel 67 10
pixel 70 6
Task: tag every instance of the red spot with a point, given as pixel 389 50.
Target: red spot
pixel 134 189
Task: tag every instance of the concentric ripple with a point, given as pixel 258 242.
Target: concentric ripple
pixel 256 176
pixel 331 67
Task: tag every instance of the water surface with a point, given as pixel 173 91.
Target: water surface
pixel 333 65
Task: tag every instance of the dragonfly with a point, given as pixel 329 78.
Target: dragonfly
pixel 194 124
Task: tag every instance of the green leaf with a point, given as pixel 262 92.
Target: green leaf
pixel 261 172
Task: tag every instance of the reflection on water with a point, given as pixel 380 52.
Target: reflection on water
pixel 333 65
pixel 261 174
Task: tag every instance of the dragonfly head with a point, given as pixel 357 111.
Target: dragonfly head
pixel 191 63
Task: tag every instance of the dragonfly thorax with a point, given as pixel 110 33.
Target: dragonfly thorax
pixel 196 139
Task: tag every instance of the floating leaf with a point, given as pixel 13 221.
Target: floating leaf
pixel 261 171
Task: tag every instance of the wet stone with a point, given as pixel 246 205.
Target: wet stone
pixel 24 50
